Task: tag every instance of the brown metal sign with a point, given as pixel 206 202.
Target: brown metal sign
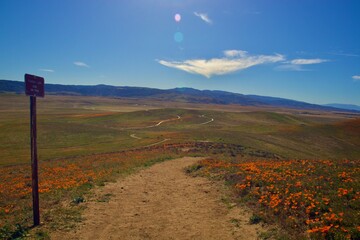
pixel 34 86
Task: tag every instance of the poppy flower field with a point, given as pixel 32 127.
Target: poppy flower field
pixel 62 180
pixel 319 199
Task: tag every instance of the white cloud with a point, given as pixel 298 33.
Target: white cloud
pixel 291 67
pixel 203 17
pixel 301 61
pixel 235 53
pixel 356 77
pixel 81 64
pixel 297 64
pixel 46 70
pixel 234 60
pixel 341 53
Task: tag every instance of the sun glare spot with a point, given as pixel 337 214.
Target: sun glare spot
pixel 177 17
pixel 178 37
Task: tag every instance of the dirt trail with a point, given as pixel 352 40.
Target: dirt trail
pixel 203 116
pixel 162 202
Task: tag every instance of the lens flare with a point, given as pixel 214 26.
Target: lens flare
pixel 177 17
pixel 178 37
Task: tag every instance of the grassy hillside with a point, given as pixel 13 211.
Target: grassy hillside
pixel 71 126
pixel 80 143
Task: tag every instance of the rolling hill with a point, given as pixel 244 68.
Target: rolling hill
pixel 176 94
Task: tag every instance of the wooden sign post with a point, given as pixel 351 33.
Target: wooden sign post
pixel 34 87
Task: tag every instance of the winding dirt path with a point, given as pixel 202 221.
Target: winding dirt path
pixel 162 202
pixel 203 116
pixel 134 136
pixel 155 125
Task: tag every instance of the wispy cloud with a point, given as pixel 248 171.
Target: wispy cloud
pixel 341 53
pixel 291 67
pixel 203 17
pixel 356 77
pixel 298 64
pixel 81 64
pixel 302 61
pixel 235 53
pixel 234 60
pixel 46 70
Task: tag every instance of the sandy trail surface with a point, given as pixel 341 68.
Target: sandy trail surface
pixel 162 202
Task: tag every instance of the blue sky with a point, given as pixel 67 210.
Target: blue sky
pixel 300 49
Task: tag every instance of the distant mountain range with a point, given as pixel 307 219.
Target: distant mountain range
pixel 344 106
pixel 176 94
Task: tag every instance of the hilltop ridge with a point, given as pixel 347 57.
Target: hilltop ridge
pixel 184 94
